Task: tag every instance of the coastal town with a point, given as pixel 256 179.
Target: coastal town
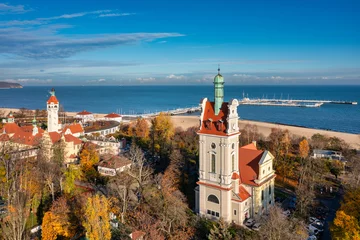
pixel 104 177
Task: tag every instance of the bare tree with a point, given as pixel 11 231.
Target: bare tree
pixel 140 170
pixel 277 227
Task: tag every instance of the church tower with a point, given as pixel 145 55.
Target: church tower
pixel 218 155
pixel 53 109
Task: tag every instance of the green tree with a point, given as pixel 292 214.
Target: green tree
pixel 220 231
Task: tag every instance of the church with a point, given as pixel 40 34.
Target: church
pixel 27 139
pixel 235 183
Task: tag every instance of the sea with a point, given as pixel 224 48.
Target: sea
pixel 148 99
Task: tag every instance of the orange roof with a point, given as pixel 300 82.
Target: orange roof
pixel 4 138
pixel 29 128
pixel 249 158
pixel 243 194
pixel 84 112
pixel 136 235
pixel 55 137
pixel 26 138
pixel 113 115
pixel 214 124
pixel 74 128
pixel 10 128
pixel 71 138
pixel 53 99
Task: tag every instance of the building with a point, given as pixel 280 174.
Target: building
pixel 26 140
pixel 102 128
pixel 113 117
pixel 108 145
pixel 327 154
pixel 74 129
pixel 235 183
pixel 85 116
pixel 110 165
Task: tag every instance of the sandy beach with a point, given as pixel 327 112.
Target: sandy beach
pixel 263 127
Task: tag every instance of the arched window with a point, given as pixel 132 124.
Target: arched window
pixel 233 162
pixel 213 163
pixel 213 198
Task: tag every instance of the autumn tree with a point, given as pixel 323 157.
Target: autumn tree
pixel 141 128
pixel 96 218
pixel 57 222
pixel 345 227
pixel 88 158
pixel 304 149
pixel 161 131
pixel 71 174
pixel 249 133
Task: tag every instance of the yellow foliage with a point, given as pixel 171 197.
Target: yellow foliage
pixel 345 227
pixel 304 148
pixel 48 232
pixel 88 157
pixel 97 218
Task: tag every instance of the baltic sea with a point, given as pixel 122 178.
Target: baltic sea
pixel 145 99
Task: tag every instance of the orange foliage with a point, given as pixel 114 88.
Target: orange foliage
pixel 304 148
pixel 88 157
pixel 346 227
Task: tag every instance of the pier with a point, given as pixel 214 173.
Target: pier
pixel 291 102
pixel 177 111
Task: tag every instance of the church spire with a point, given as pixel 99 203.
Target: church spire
pixel 218 91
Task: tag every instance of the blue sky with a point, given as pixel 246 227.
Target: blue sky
pixel 179 42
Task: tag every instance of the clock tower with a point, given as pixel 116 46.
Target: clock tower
pixel 53 109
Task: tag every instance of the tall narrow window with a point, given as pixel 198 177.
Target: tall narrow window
pixel 269 190
pixel 262 194
pixel 213 163
pixel 233 162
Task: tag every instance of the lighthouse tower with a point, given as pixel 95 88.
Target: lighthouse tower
pixel 53 109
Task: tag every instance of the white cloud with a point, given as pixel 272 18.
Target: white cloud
pixel 173 76
pixel 143 80
pixel 162 42
pixel 115 14
pixel 7 9
pixel 277 77
pixel 40 21
pixel 102 80
pixel 28 80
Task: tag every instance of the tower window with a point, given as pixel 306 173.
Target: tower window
pixel 213 198
pixel 233 146
pixel 262 194
pixel 213 145
pixel 213 163
pixel 269 190
pixel 233 162
pixel 234 212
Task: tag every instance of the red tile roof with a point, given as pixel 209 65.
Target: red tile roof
pixel 84 112
pixel 113 115
pixel 53 99
pixel 74 128
pixel 55 137
pixel 249 158
pixel 26 138
pixel 29 128
pixel 71 138
pixel 10 128
pixel 4 137
pixel 113 161
pixel 243 194
pixel 214 124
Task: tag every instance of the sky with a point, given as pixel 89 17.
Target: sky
pixel 146 42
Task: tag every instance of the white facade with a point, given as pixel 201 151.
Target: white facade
pixel 53 116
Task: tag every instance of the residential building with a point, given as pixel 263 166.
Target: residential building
pixel 327 154
pixel 113 117
pixel 110 165
pixel 85 116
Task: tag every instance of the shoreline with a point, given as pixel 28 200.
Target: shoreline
pixel 263 127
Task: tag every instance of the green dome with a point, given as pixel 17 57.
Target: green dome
pixel 218 78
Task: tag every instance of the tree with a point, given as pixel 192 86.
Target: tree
pixel 345 227
pixel 277 227
pixel 220 231
pixel 141 128
pixel 88 158
pixel 319 141
pixel 139 170
pixel 96 218
pixel 162 129
pixel 72 173
pixel 304 149
pixel 56 222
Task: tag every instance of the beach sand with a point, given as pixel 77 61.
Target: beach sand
pixel 264 128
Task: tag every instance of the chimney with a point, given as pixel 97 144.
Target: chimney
pixel 254 142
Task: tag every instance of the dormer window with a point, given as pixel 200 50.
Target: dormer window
pixel 219 125
pixel 208 124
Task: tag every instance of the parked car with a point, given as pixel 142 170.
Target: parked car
pixel 312 237
pixel 249 222
pixel 256 226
